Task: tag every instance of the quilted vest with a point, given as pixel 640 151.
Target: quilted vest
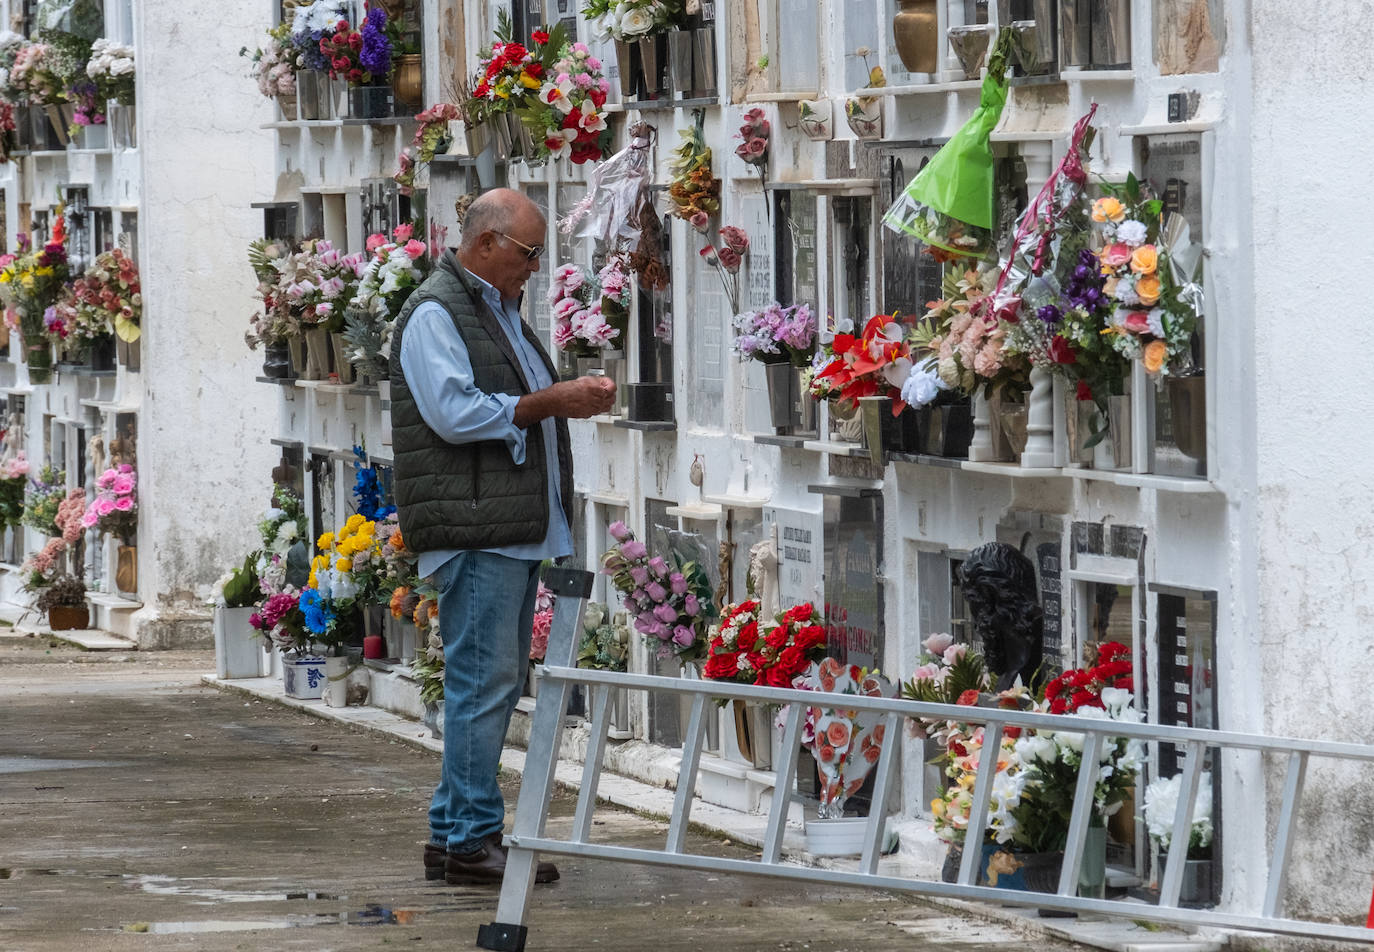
pixel 470 495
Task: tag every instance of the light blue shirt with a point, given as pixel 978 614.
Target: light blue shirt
pixel 439 373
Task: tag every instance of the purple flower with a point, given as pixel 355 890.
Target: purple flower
pixel 375 56
pixel 644 624
pixel 658 566
pixel 684 636
pixel 678 583
pixel 1049 314
pixel 620 532
pixel 640 575
pixel 666 614
pixel 660 631
pixel 691 606
pixel 634 550
pixel 631 605
pixel 656 592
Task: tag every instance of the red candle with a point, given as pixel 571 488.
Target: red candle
pixel 372 646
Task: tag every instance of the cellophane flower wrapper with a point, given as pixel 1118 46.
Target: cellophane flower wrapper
pixel 609 212
pixel 951 203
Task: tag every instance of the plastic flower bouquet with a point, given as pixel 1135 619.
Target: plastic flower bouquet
pixel 579 325
pixel 694 190
pixel 565 115
pixel 543 620
pixel 274 66
pixel 509 75
pixel 114 510
pixel 777 334
pixel 32 75
pixel 605 643
pixel 754 135
pixel 431 136
pixel 630 20
pixel 282 622
pixel 727 260
pixel 874 363
pixel 30 283
pixel 392 273
pixel 109 296
pixel 1161 805
pixel 775 653
pixel 47 490
pixel 1150 265
pixel 14 478
pixel 310 25
pixel 282 562
pixel 967 342
pixel 275 323
pixel 111 68
pixel 363 56
pixel 670 604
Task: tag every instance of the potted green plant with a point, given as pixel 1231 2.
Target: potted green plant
pixel 64 602
pixel 238 649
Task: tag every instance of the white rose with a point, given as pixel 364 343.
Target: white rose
pixel 635 22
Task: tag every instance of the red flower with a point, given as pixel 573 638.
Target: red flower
pixel 969 698
pixel 355 42
pixel 1084 391
pixel 1061 352
pixel 1053 688
pixel 1085 699
pixel 777 638
pixel 1058 706
pixel 540 37
pixel 536 70
pixel 597 97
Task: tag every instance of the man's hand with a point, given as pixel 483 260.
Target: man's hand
pixel 574 399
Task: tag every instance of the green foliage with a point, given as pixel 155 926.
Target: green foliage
pixel 40 506
pixel 605 646
pixel 241 590
pixel 968 673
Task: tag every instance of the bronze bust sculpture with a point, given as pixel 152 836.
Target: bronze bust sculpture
pixel 998 583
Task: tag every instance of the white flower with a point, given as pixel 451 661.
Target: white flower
pixel 923 385
pixel 1131 232
pixel 636 21
pixel 1114 699
pixel 1155 316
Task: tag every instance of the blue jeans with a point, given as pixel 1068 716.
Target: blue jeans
pixel 486 615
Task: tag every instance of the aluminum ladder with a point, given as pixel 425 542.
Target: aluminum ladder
pixel 528 840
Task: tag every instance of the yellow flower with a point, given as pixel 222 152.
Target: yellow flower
pixel 937 807
pixel 326 540
pixel 1108 209
pixel 43 272
pixel 1153 358
pixel 27 282
pixel 6 276
pixel 1144 259
pixel 353 522
pixel 529 82
pixel 344 565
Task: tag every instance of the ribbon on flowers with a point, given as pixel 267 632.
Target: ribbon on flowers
pixel 997 306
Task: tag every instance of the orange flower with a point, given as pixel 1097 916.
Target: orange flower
pixel 1145 259
pixel 1108 209
pixel 1155 352
pixel 1148 289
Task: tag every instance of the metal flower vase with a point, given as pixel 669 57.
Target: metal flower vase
pixel 627 67
pixel 784 397
pixel 317 354
pixel 343 369
pixel 1188 413
pixel 653 57
pixel 916 33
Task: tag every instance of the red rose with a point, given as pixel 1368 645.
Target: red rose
pixel 776 677
pixel 1011 732
pixel 969 698
pixel 540 37
pixel 573 120
pixel 1085 699
pixel 1058 706
pixel 1053 688
pixel 341 26
pixel 355 76
pixel 535 69
pixel 777 638
pixel 355 41
pixel 793 660
pixel 1061 352
pixel 721 667
pixel 1084 391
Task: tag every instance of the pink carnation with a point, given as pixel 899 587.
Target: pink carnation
pixel 124 504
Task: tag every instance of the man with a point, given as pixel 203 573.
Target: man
pixel 484 487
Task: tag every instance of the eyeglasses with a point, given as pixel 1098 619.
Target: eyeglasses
pixel 531 254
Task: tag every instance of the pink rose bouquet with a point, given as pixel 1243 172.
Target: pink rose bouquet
pixel 579 323
pixel 670 604
pixel 114 510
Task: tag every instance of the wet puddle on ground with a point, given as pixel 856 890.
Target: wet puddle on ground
pixel 373 915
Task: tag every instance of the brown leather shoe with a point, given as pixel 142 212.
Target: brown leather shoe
pixel 487 864
pixel 435 858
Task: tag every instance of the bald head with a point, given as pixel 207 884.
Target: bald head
pixel 500 227
pixel 497 210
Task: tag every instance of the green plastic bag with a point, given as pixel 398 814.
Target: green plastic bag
pixel 951 203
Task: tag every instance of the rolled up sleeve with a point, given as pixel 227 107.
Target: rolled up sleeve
pixel 439 374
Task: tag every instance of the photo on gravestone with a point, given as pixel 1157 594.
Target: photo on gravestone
pixel 1187 680
pixel 321 494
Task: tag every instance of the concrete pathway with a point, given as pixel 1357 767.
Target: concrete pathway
pixel 140 808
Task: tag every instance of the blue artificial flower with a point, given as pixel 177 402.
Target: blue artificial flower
pixel 318 615
pixel 367 490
